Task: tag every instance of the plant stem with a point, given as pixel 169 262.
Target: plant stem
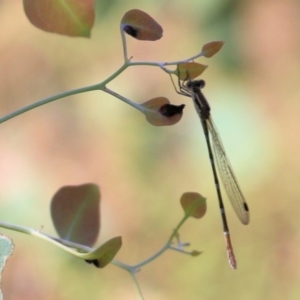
pixel 131 103
pixel 98 86
pixel 101 85
pixel 48 100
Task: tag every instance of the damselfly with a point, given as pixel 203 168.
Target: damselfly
pixel 192 89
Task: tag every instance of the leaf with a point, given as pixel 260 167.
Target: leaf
pixel 67 17
pixel 196 253
pixel 103 255
pixel 210 49
pixel 159 112
pixel 75 213
pixel 190 70
pixel 141 26
pixel 193 204
pixel 6 249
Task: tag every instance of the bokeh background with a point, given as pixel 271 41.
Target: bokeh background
pixel 253 88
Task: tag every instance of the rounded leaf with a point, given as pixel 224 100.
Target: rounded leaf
pixel 196 253
pixel 68 17
pixel 190 70
pixel 103 255
pixel 141 26
pixel 193 204
pixel 210 49
pixel 75 213
pixel 159 112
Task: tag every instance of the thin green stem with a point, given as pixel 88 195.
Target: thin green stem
pixel 131 103
pixel 48 100
pixel 66 245
pixel 138 288
pixel 15 227
pixel 162 64
pixel 100 86
pixel 175 231
pixel 69 246
pixel 184 60
pixel 115 74
pixel 153 257
pixel 165 247
pixel 123 36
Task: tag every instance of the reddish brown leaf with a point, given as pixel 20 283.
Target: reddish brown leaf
pixel 190 70
pixel 67 17
pixel 193 204
pixel 210 49
pixel 159 112
pixel 75 213
pixel 141 26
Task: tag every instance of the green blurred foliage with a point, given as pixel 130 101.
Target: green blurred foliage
pixel 142 170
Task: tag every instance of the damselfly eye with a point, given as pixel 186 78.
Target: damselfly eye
pixel 189 84
pixel 201 83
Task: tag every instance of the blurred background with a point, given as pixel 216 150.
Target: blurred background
pixel 253 88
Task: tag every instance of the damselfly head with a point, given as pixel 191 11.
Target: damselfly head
pixel 189 84
pixel 199 84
